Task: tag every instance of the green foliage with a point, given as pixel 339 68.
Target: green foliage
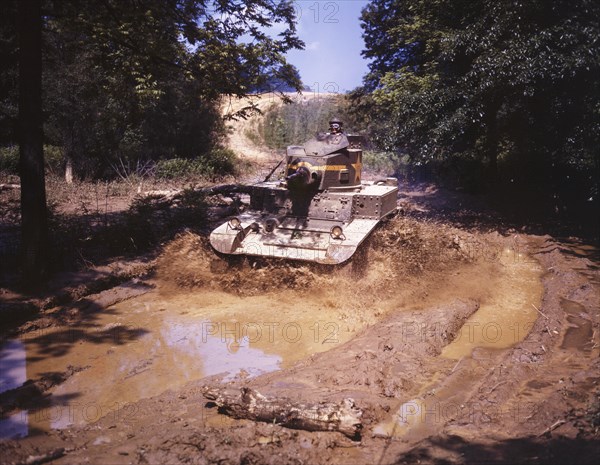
pixel 386 163
pixel 222 161
pixel 175 168
pixel 285 78
pixel 218 162
pixel 9 159
pixel 125 82
pixel 488 89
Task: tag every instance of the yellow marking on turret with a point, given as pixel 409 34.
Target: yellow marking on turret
pixel 317 167
pixel 357 167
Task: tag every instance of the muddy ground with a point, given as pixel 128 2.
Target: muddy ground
pixel 460 342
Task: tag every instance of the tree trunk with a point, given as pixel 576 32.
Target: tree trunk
pixel 33 189
pixel 69 171
pixel 68 147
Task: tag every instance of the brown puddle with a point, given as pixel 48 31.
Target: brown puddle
pixel 505 316
pixel 579 335
pixel 142 347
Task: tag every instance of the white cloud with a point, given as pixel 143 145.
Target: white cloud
pixel 312 46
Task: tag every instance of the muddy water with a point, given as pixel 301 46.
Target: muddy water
pixel 13 373
pixel 142 347
pixel 579 335
pixel 505 317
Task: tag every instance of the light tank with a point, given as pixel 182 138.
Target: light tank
pixel 321 212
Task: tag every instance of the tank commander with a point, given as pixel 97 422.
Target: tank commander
pixel 336 126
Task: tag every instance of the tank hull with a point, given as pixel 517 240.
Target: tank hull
pixel 284 224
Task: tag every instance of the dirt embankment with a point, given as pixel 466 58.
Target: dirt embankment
pixel 244 136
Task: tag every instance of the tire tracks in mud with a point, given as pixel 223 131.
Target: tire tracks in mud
pixel 531 396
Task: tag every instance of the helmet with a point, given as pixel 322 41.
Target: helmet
pixel 335 126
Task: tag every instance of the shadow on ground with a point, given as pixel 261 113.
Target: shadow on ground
pixel 442 450
pixel 486 213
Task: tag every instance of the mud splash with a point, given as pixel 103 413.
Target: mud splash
pixel 402 248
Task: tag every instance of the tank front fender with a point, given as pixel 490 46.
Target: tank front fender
pixel 227 240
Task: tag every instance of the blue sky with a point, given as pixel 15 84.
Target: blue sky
pixel 331 60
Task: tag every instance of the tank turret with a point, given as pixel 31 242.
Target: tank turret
pixel 328 161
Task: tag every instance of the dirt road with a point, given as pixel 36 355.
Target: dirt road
pixel 458 346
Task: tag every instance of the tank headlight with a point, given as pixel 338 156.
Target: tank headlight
pixel 271 224
pixel 255 227
pixel 235 223
pixel 337 232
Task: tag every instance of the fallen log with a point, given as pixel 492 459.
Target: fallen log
pixel 167 194
pixel 228 190
pixel 10 186
pixel 43 458
pixel 249 404
pixel 225 189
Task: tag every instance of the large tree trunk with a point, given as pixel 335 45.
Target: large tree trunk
pixel 33 190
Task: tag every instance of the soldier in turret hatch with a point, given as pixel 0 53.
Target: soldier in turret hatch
pixel 336 126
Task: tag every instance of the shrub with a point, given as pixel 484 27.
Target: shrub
pixel 218 162
pixel 54 159
pixel 173 168
pixel 9 159
pixel 386 163
pixel 222 161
